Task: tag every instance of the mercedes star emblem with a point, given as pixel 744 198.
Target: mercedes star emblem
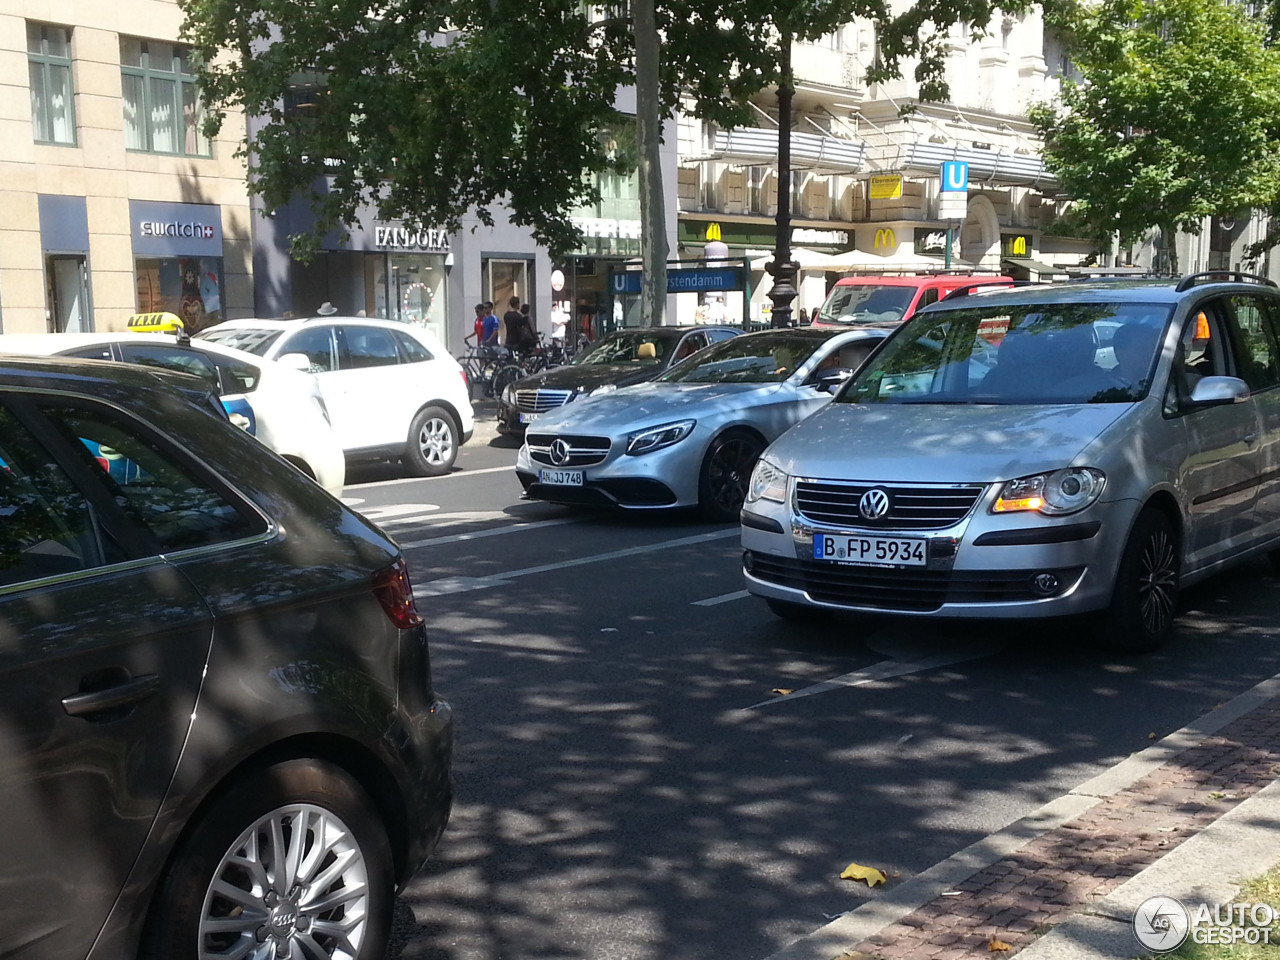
pixel 559 452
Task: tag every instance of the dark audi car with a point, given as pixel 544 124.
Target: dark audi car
pixel 620 359
pixel 219 734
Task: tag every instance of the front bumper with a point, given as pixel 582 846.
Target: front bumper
pixel 984 567
pixel 659 480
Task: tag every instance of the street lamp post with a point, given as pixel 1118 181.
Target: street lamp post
pixel 783 269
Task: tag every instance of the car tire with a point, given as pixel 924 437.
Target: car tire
pixel 726 473
pixel 244 837
pixel 433 443
pixel 1140 617
pixel 796 612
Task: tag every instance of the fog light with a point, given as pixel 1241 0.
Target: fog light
pixel 748 562
pixel 1045 584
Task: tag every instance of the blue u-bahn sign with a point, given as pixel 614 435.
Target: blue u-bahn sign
pixel 697 280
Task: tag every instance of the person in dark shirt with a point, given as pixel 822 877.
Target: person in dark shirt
pixel 520 335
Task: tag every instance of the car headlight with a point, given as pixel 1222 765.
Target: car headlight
pixel 768 482
pixel 655 438
pixel 603 389
pixel 1064 491
pixel 509 394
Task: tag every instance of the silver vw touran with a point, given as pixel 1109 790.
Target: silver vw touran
pixel 1081 448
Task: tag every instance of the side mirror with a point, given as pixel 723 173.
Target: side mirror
pixel 295 361
pixel 1218 391
pixel 828 380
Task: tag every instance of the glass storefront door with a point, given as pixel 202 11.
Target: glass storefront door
pixel 68 293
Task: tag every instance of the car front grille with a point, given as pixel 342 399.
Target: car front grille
pixel 579 451
pixel 540 401
pixel 913 591
pixel 916 506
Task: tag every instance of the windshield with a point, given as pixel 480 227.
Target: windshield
pixel 249 339
pixel 1047 354
pixel 866 303
pixel 639 347
pixel 759 358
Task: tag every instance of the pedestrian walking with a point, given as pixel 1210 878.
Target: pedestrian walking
pixel 520 335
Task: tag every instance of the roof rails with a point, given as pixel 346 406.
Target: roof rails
pixel 1222 276
pixel 976 287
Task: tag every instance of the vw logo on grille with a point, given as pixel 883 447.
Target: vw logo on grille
pixel 560 452
pixel 873 505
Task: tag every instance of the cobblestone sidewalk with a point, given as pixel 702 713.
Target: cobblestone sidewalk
pixel 1041 884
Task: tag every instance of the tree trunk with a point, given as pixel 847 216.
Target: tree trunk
pixel 653 220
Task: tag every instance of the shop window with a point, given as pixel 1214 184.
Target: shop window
pixel 53 117
pixel 163 111
pixel 191 287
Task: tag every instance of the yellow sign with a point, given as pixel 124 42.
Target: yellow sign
pixel 156 323
pixel 713 231
pixel 1018 248
pixel 885 239
pixel 886 188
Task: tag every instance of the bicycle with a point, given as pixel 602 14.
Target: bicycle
pixel 481 367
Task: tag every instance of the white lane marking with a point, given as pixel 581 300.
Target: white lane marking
pixel 887 669
pixel 435 588
pixel 352 501
pixel 459 472
pixel 723 598
pixel 398 510
pixel 478 534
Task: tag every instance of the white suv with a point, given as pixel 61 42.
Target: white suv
pixel 392 390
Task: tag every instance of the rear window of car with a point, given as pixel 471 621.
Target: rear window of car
pixel 46 526
pixel 151 482
pixel 255 340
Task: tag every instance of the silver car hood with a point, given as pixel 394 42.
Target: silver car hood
pixel 952 443
pixel 651 404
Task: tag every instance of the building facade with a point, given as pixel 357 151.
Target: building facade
pixel 115 201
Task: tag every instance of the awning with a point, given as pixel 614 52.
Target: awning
pixel 1035 266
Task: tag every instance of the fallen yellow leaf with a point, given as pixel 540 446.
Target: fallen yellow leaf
pixel 1151 736
pixel 998 946
pixel 856 871
pixel 782 691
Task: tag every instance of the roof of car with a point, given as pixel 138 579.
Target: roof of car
pixel 675 330
pixel 1126 290
pixel 916 280
pixel 106 379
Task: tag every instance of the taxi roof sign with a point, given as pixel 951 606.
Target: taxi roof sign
pixel 156 323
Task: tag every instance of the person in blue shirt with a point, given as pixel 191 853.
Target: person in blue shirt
pixel 489 342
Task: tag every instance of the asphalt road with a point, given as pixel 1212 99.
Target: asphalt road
pixel 635 783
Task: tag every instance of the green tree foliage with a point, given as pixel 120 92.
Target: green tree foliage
pixel 431 108
pixel 1176 118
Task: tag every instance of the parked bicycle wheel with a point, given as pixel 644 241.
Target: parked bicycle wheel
pixel 506 376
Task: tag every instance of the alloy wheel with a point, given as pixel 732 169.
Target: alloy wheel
pixel 730 471
pixel 293 885
pixel 1157 579
pixel 435 440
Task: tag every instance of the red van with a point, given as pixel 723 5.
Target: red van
pixel 883 301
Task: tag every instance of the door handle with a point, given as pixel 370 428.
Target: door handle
pixel 112 698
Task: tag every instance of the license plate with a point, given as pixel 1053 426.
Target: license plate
pixel 562 478
pixel 529 417
pixel 876 551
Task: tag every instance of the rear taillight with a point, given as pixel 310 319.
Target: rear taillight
pixel 395 593
pixel 465 383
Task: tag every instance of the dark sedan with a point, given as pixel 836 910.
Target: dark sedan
pixel 622 358
pixel 220 732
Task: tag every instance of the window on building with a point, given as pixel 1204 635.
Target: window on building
pixel 53 114
pixel 163 111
